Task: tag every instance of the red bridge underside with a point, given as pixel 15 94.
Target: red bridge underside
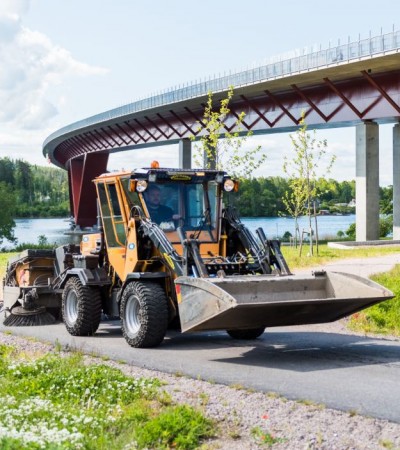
pixel 269 107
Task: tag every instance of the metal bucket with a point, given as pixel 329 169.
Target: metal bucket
pixel 253 301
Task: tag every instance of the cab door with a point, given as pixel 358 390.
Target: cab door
pixel 114 223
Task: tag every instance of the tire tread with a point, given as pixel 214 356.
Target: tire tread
pixel 89 308
pixel 154 314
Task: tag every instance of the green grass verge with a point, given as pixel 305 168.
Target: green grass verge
pixel 328 254
pixel 383 318
pixel 57 403
pixel 3 262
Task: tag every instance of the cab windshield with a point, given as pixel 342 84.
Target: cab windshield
pixel 190 206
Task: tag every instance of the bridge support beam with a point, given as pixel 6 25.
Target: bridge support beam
pixel 185 154
pixel 209 160
pixel 396 182
pixel 81 172
pixel 367 181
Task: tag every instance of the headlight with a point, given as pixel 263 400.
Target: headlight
pixel 141 185
pixel 229 185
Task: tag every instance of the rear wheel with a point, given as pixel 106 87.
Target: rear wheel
pixel 144 314
pixel 81 308
pixel 251 333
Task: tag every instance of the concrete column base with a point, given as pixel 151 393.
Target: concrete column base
pixel 185 154
pixel 367 181
pixel 396 181
pixel 209 163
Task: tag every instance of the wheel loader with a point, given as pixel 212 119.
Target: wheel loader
pixel 169 253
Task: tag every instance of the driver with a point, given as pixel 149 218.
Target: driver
pixel 158 212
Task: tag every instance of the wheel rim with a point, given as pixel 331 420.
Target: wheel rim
pixel 132 315
pixel 71 307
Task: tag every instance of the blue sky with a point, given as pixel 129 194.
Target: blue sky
pixel 64 60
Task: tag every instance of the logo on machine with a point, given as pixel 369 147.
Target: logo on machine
pixel 180 177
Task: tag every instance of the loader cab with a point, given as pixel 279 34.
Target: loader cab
pixel 192 206
pixel 170 198
pixel 175 198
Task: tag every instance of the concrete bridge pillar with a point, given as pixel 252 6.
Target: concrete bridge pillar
pixel 367 181
pixel 210 160
pixel 185 154
pixel 396 182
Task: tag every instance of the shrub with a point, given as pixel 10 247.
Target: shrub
pixel 385 228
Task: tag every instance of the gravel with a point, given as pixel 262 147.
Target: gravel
pixel 238 412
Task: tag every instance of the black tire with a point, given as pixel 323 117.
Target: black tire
pixel 250 334
pixel 80 308
pixel 144 314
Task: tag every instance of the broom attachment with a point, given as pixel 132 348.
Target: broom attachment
pixel 30 313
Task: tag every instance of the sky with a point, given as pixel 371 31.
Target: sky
pixel 65 60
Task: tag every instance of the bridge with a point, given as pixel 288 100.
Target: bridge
pixel 355 84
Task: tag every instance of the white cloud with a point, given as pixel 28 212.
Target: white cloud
pixel 14 7
pixel 30 65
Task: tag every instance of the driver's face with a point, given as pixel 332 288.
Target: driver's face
pixel 154 197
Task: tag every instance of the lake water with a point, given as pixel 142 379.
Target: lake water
pixel 29 230
pixel 328 226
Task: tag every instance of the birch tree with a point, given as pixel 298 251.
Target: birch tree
pixel 221 149
pixel 308 155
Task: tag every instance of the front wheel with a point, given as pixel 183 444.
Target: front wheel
pixel 80 308
pixel 250 334
pixel 144 314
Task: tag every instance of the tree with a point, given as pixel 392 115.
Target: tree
pixel 386 200
pixel 222 149
pixel 7 208
pixel 302 172
pixel 295 200
pixel 39 191
pixel 23 180
pixel 7 168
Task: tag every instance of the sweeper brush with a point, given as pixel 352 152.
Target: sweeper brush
pixel 21 317
pixel 26 289
pixel 30 314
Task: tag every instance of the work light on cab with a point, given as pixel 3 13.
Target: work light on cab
pixel 229 185
pixel 141 185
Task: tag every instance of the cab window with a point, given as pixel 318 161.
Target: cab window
pixel 113 223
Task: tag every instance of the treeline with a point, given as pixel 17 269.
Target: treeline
pixel 37 191
pixel 262 197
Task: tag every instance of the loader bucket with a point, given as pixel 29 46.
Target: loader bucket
pixel 253 301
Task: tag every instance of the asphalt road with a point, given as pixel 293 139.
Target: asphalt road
pixel 341 371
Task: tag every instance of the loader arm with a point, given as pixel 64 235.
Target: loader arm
pixel 266 254
pixel 162 244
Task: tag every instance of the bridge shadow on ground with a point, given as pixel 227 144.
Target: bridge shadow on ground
pixel 300 351
pixel 294 349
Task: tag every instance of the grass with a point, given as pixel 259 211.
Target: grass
pixel 328 254
pixel 383 318
pixel 265 438
pixel 60 403
pixel 3 262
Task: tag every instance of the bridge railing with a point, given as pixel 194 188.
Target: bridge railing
pixel 334 55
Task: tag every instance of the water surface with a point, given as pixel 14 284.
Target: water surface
pixel 29 230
